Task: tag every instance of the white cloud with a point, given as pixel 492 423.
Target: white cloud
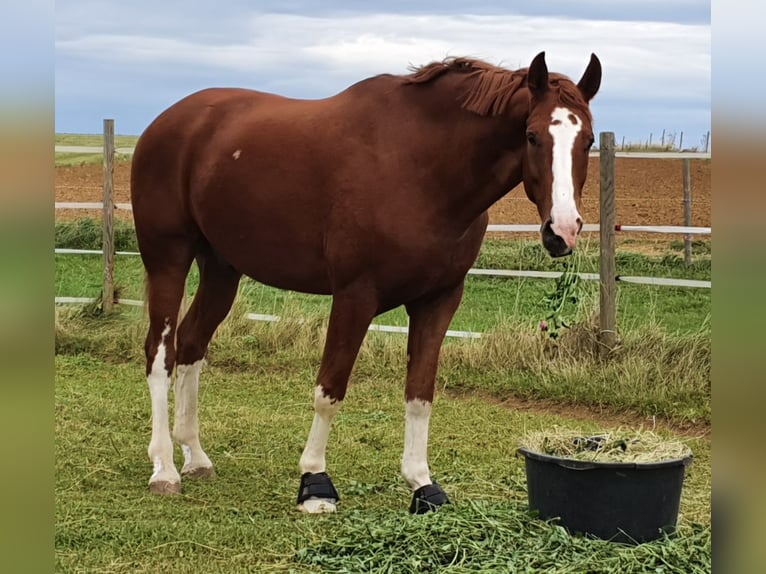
pixel 633 54
pixel 316 55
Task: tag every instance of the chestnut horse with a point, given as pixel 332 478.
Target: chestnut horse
pixel 377 196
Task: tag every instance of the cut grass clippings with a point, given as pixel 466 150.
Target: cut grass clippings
pixel 253 426
pixel 480 536
pixel 620 445
pixel 255 412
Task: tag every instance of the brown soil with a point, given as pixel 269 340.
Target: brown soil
pixel 649 192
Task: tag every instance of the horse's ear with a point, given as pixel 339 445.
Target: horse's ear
pixel 591 79
pixel 537 76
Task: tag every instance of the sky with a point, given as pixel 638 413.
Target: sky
pixel 130 60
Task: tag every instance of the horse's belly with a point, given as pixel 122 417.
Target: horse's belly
pixel 269 252
pixel 302 278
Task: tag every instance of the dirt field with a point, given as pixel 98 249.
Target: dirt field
pixel 649 192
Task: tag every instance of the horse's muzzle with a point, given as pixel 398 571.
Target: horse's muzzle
pixel 554 244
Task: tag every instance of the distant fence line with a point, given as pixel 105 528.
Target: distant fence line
pixel 666 141
pixel 594 153
pixel 494 227
pixel 607 275
pixel 486 272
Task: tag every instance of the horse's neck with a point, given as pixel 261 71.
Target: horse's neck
pixel 487 166
pixel 494 179
pixel 488 158
pixel 474 160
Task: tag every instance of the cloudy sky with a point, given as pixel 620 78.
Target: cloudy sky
pixel 130 60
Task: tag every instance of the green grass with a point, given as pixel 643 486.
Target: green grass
pixel 76 158
pixel 93 140
pixel 661 366
pixel 488 301
pixel 650 374
pixel 254 422
pixel 255 401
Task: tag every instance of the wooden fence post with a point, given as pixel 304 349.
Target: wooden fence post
pixel 687 211
pixel 607 266
pixel 107 296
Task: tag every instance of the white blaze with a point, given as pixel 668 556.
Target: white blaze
pixel 565 125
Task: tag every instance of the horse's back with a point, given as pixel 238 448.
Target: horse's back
pixel 300 194
pixel 174 142
pixel 185 129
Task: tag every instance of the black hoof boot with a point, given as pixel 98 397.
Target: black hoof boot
pixel 317 485
pixel 428 498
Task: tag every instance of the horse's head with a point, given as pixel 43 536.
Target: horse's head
pixel 559 137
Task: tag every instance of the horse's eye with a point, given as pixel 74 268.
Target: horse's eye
pixel 532 138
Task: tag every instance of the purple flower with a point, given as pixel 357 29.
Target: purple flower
pixel 543 325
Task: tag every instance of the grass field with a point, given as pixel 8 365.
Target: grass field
pixel 254 421
pixel 256 411
pixel 78 158
pixel 662 364
pixel 488 300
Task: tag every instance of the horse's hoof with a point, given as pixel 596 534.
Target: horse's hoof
pixel 317 494
pixel 204 472
pixel 164 487
pixel 428 498
pixel 317 506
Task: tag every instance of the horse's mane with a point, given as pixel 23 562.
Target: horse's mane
pixel 489 88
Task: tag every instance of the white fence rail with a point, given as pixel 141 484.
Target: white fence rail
pixel 84 149
pixel 494 227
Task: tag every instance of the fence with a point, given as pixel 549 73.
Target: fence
pixel 667 142
pixel 607 228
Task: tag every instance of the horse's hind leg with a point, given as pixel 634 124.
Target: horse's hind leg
pixel 166 281
pixel 212 302
pixel 429 319
pixel 350 317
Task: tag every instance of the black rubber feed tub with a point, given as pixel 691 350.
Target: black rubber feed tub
pixel 622 502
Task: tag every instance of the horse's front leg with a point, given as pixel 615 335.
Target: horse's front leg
pixel 429 319
pixel 350 317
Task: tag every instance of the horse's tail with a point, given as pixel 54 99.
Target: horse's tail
pixel 146 293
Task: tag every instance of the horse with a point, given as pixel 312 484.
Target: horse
pixel 377 196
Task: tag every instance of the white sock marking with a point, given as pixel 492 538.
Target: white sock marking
pixel 313 458
pixel 157 467
pixel 564 214
pixel 161 447
pixel 415 457
pixel 186 449
pixel 186 427
pixel 317 506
